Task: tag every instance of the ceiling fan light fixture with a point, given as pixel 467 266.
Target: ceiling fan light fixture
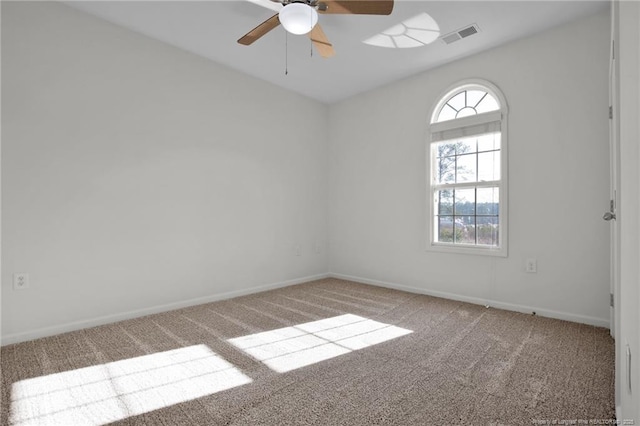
pixel 298 18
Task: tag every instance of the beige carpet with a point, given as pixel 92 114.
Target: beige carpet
pixel 329 352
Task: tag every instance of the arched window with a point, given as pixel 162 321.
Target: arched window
pixel 468 169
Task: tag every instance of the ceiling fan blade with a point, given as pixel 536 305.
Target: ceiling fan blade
pixel 321 42
pixel 260 30
pixel 356 7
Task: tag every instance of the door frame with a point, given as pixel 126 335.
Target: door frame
pixel 614 184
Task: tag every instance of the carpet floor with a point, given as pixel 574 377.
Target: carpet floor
pixel 328 352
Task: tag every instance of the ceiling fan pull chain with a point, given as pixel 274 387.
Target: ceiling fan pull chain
pixel 286 53
pixel 311 41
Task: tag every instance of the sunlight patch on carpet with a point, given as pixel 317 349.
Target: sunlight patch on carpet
pixel 289 348
pixel 110 392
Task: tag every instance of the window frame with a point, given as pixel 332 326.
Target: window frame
pixel 454 125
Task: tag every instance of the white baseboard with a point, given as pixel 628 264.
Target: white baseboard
pixel 107 319
pixel 92 322
pixel 599 322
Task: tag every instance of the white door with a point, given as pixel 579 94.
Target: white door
pixel 614 160
pixel 614 182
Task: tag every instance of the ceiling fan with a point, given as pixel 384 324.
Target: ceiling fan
pixel 301 17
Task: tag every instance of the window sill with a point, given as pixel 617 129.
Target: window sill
pixel 472 250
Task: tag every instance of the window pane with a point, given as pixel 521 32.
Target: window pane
pixel 488 166
pixel 488 201
pixel 445 172
pixel 446 113
pixel 466 112
pixel 465 229
pixel 444 202
pixel 474 96
pixel 458 101
pixel 488 230
pixel 466 146
pixel 446 149
pixel 489 142
pixel 489 103
pixel 465 202
pixel 445 229
pixel 466 168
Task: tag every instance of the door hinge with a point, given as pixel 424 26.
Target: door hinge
pixel 610 112
pixel 613 49
pixel 611 299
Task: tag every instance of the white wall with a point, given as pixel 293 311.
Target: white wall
pixel 628 335
pixel 136 175
pixel 556 88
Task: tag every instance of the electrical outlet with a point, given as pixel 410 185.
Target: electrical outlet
pixel 20 281
pixel 296 250
pixel 317 247
pixel 531 266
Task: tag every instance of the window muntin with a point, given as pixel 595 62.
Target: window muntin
pixel 467 158
pixel 467 102
pixel 468 216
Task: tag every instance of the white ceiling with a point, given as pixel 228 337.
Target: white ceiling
pixel 211 28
